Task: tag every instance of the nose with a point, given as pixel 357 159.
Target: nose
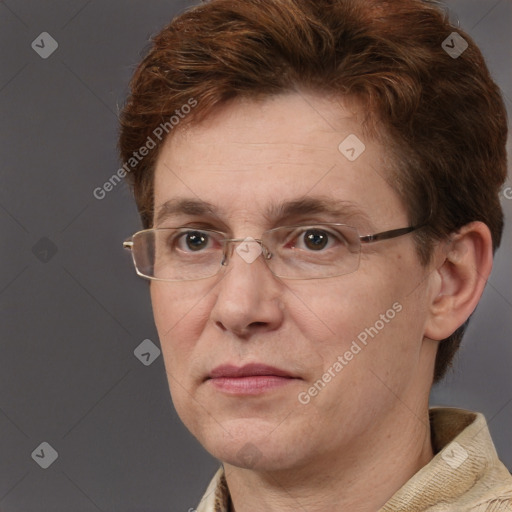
pixel 249 295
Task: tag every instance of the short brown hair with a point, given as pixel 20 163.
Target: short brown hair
pixel 443 113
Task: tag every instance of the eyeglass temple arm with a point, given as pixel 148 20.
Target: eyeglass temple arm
pixel 385 235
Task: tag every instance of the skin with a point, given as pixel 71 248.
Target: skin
pixel 367 432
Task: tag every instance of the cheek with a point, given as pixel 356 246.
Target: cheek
pixel 376 313
pixel 369 355
pixel 335 309
pixel 180 314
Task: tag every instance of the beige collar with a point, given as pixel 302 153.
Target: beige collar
pixel 464 475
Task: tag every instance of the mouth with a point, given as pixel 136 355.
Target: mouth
pixel 251 379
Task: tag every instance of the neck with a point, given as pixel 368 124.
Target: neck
pixel 358 478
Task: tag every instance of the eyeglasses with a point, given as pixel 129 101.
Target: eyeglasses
pixel 291 252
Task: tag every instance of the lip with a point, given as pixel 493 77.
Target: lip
pixel 251 379
pixel 249 370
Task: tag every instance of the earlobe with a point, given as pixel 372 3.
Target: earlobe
pixel 460 280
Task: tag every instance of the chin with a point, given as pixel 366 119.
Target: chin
pixel 250 455
pixel 254 447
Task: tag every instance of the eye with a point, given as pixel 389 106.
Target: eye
pixel 316 239
pixel 194 241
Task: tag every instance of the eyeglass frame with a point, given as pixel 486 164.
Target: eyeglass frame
pixel 364 239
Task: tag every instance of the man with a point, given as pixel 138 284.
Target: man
pixel 318 182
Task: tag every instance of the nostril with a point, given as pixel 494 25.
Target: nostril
pixel 220 325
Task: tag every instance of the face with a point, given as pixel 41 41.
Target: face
pixel 351 347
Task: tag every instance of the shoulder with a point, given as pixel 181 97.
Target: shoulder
pixel 499 500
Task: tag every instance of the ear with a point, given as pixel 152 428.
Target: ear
pixel 460 280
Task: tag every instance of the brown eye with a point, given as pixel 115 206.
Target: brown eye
pixel 316 239
pixel 196 240
pixel 191 241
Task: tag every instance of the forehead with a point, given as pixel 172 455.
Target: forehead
pixel 250 157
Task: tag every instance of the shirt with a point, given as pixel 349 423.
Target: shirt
pixel 465 474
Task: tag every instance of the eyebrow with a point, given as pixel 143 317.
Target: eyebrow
pixel 276 212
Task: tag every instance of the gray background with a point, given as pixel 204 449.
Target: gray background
pixel 71 319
